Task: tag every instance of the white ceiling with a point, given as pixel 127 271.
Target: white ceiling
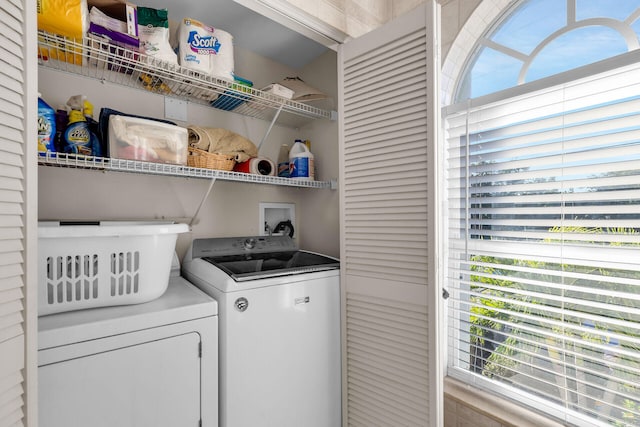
pixel 250 30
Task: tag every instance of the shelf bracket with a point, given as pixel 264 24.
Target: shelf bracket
pixel 206 195
pixel 275 117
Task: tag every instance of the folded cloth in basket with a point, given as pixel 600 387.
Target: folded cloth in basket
pixel 222 141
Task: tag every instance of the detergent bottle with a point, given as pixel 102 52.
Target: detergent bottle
pixel 301 165
pixel 46 127
pixel 78 138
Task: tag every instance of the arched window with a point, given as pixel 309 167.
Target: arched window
pixel 542 161
pixel 540 38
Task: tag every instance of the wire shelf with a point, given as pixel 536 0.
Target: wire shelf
pixel 134 166
pixel 96 58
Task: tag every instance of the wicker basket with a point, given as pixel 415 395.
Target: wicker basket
pixel 198 158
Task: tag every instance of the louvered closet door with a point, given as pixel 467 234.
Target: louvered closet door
pixel 14 205
pixel 388 128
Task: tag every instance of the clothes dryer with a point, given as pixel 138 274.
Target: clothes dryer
pixel 151 364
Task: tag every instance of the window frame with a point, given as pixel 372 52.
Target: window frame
pixel 485 40
pixel 629 58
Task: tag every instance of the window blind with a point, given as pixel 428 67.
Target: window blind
pixel 543 231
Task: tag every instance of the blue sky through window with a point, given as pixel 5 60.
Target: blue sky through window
pixel 539 39
pixel 494 71
pixel 616 9
pixel 579 47
pixel 526 27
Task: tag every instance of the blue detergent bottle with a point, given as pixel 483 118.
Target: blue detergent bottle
pixel 78 138
pixel 46 127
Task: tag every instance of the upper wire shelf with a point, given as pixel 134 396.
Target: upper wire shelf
pixel 134 166
pixel 98 59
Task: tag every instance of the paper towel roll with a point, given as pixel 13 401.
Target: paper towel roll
pixel 196 45
pixel 222 64
pixel 257 166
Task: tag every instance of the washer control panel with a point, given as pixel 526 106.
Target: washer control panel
pixel 222 246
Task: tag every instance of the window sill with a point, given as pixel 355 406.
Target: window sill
pixel 505 412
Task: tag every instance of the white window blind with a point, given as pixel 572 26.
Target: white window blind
pixel 544 248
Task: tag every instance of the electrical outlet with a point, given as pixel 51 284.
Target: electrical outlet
pixel 175 109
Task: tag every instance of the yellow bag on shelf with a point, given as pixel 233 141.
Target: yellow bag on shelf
pixel 66 18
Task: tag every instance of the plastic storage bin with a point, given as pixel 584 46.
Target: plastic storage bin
pixel 132 138
pixel 111 263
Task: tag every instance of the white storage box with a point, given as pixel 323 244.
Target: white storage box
pixel 146 140
pixel 279 90
pixel 113 263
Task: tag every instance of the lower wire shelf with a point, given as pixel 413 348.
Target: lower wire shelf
pixel 133 166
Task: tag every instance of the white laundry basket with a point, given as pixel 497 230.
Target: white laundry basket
pixel 105 264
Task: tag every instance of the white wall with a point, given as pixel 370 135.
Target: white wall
pixel 319 209
pixel 455 14
pixel 355 17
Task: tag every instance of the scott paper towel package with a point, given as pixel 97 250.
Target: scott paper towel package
pixel 222 64
pixel 205 49
pixel 195 45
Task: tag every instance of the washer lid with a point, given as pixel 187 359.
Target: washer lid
pixel 254 266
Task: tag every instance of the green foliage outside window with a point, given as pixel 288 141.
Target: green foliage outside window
pixel 520 327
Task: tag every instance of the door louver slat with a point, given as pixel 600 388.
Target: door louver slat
pixel 12 212
pixel 387 360
pixel 386 205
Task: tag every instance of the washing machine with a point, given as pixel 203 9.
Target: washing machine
pixel 151 364
pixel 279 334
